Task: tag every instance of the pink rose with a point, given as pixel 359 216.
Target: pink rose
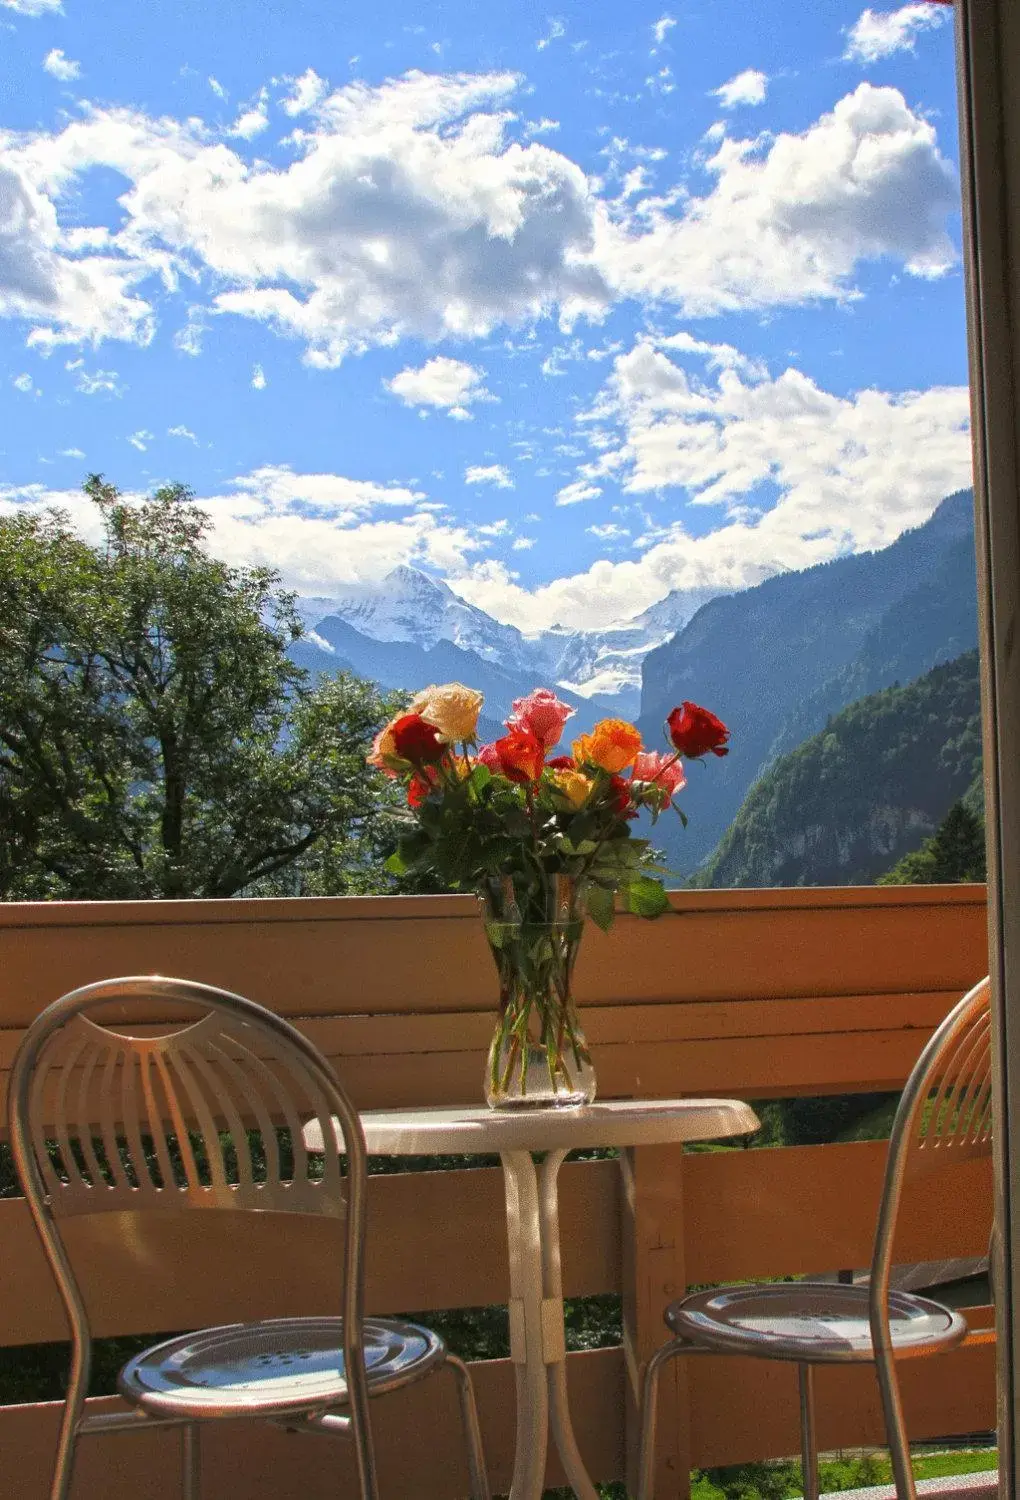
pixel 541 714
pixel 488 755
pixel 663 770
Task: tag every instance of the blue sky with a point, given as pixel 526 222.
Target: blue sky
pixel 570 306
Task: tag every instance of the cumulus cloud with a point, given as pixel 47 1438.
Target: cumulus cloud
pixel 749 87
pixel 307 92
pixel 411 212
pixel 557 30
pixel 60 66
pixel 661 28
pixel 408 212
pixel 444 384
pixel 258 378
pixel 32 7
pixel 68 297
pixel 23 383
pixel 790 217
pixel 796 474
pixel 182 432
pixel 573 494
pixel 495 474
pixel 879 33
pixel 141 439
pixel 319 530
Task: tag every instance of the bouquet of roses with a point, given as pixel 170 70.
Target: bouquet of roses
pixel 515 808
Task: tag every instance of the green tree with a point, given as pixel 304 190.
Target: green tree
pixel 955 852
pixel 156 740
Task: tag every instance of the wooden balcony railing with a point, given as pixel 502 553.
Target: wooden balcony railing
pixel 749 993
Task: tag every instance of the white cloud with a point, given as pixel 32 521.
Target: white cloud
pixel 188 340
pixel 258 379
pixel 72 453
pixel 182 432
pixel 448 385
pixel 33 7
pixel 253 120
pixel 523 543
pixel 140 439
pixel 409 212
pixel 497 474
pixel 308 91
pixel 320 530
pixel 791 217
pixel 661 28
pixel 23 383
pixel 541 127
pixel 557 29
pixel 879 33
pixel 96 382
pixel 59 66
pixel 573 494
pixel 749 87
pixel 217 87
pixel 797 474
pixel 70 297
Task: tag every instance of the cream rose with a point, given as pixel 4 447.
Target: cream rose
pixel 451 708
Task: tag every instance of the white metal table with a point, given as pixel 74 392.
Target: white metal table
pixel 537 1341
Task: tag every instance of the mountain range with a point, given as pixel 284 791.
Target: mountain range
pixel 411 630
pixel 776 660
pixel 844 806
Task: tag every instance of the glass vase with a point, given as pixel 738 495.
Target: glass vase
pixel 538 1057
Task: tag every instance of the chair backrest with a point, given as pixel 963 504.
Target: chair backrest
pixel 205 1113
pixel 944 1116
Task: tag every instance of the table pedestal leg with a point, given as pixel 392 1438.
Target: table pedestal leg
pixel 537 1344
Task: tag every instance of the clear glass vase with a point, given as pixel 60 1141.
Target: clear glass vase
pixel 538 1056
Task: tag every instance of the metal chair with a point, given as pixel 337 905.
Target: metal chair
pixel 113 1120
pixel 944 1117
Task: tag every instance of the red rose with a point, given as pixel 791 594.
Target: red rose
pixel 618 798
pixel 417 741
pixel 561 763
pixel 418 789
pixel 521 756
pixel 694 731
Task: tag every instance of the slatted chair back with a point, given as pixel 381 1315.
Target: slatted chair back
pixel 205 1113
pixel 944 1116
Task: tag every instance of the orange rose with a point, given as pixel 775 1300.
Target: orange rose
pixel 612 745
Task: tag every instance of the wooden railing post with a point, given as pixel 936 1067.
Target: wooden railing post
pixel 653 1275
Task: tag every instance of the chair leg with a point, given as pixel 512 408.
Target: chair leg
pixel 191 1462
pixel 472 1429
pixel 649 1414
pixel 808 1440
pixel 895 1426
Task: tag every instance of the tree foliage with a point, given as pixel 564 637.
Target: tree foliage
pixel 155 738
pixel 955 852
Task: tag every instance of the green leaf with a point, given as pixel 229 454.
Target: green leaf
pixel 601 906
pixel 645 897
pixel 396 864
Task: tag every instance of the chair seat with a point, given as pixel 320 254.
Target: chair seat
pixel 814 1321
pixel 281 1366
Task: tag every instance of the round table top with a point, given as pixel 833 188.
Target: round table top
pixel 613 1122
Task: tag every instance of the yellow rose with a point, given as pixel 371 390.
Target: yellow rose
pixel 574 787
pixel 383 754
pixel 612 745
pixel 451 708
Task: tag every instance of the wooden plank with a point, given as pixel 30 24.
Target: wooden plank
pixel 742 1410
pixel 419 954
pixel 808 1209
pixel 418 1440
pixel 746 1410
pixel 654 1273
pixel 435 1240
